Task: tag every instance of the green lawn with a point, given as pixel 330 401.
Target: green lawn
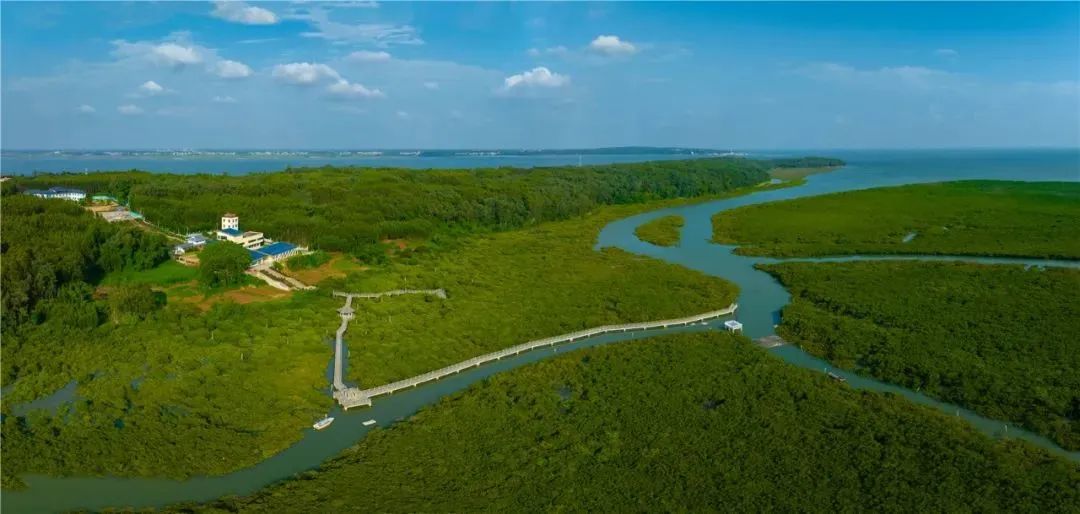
pixel 689 423
pixel 970 218
pixel 167 273
pixel 665 231
pixel 1000 340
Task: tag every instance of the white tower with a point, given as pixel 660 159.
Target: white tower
pixel 230 221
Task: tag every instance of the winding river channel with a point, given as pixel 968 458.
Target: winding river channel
pixel 760 301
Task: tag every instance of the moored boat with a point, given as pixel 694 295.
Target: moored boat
pixel 323 423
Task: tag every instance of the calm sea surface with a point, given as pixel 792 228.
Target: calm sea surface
pixel 1057 164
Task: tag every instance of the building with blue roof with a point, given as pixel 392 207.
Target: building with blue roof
pixel 63 193
pixel 273 252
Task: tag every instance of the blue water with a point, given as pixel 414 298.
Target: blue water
pixel 1035 164
pixel 21 163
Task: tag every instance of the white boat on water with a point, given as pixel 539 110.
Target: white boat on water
pixel 368 423
pixel 323 423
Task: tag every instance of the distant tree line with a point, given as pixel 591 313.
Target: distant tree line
pixel 353 209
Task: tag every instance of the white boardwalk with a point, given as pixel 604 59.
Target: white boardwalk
pixel 344 395
pixel 355 397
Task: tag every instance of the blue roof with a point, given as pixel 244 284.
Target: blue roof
pixel 277 248
pixel 231 231
pixel 271 250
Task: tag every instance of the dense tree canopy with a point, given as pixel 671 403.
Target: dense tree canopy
pixel 665 231
pixel 971 218
pixel 1001 340
pixel 696 423
pixel 223 264
pixel 351 209
pixel 49 244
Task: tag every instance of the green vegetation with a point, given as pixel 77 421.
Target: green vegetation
pixel 969 218
pixel 308 260
pixel 697 423
pixel 509 288
pixel 51 249
pixel 182 392
pixel 223 264
pixel 134 302
pixel 1000 340
pixel 665 231
pixel 167 273
pixel 353 209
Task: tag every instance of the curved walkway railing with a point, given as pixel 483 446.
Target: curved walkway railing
pixel 355 397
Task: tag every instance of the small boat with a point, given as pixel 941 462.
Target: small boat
pixel 323 423
pixel 368 423
pixel 836 377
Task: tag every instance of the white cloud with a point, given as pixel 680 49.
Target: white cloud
pixel 379 34
pixel 345 89
pixel 946 52
pixel 368 56
pixel 151 88
pixel 240 12
pixel 432 85
pixel 223 100
pixel 612 45
pixel 86 109
pixel 536 77
pixel 403 115
pixel 231 69
pixel 129 109
pixel 304 73
pixel 176 51
pixel 551 50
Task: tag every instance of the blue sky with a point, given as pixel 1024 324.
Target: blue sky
pixel 538 75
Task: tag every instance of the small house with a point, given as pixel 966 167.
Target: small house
pixel 733 326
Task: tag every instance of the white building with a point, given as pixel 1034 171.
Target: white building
pixel 230 220
pixel 63 193
pixel 733 326
pixel 230 231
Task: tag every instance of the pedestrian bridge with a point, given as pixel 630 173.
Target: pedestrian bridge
pixel 355 397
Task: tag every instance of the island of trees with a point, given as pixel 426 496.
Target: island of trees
pixel 969 218
pixel 663 231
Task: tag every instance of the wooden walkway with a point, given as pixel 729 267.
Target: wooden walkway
pixel 344 395
pixel 355 397
pixel 441 293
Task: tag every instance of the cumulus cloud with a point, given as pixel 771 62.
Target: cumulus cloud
pixel 227 69
pixel 536 77
pixel 129 109
pixel 86 109
pixel 946 52
pixel 304 73
pixel 368 56
pixel 612 46
pixel 240 12
pixel 551 50
pixel 151 88
pixel 223 100
pixel 168 53
pixel 345 89
pixel 432 85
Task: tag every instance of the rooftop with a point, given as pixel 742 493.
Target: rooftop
pixel 271 250
pixel 230 231
pixel 228 215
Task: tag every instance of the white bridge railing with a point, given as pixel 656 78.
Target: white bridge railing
pixel 353 397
